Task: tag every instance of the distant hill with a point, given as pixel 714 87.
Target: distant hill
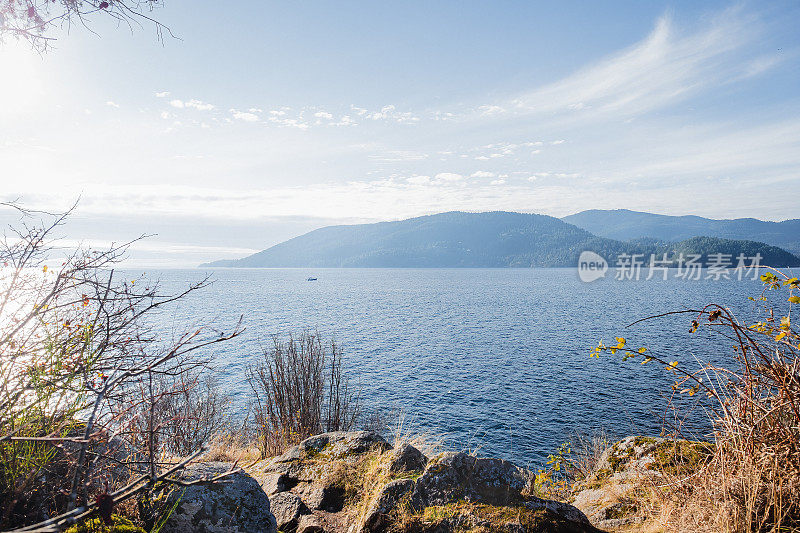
pixel 624 225
pixel 457 239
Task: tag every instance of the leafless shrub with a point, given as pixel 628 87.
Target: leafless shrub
pixel 299 390
pixel 189 412
pixel 79 372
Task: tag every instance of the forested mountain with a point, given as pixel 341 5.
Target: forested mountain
pixel 457 239
pixel 623 224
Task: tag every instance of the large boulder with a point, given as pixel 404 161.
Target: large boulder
pixel 311 460
pixel 631 453
pixel 406 458
pixel 337 445
pixel 453 476
pixel 235 504
pixel 377 517
pixel 287 508
pixel 322 496
pixel 273 482
pixel 310 524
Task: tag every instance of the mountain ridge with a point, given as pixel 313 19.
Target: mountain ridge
pixel 625 224
pixel 461 239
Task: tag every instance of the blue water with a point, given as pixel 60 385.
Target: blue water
pixel 493 359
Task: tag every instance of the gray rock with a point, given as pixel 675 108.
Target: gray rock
pixel 324 498
pixel 565 510
pixel 236 504
pixel 274 482
pixel 376 518
pixel 450 477
pixel 287 508
pixel 309 524
pixel 338 444
pixel 631 453
pixel 406 458
pixel 311 459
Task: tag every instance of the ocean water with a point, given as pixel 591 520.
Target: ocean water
pixel 494 360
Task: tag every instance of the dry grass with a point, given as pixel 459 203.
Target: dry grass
pixel 232 449
pixel 735 492
pixel 586 452
pixel 428 442
pixel 751 481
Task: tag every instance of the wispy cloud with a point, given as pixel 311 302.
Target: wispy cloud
pixel 668 66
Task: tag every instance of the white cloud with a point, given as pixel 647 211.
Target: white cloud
pixel 419 180
pixel 491 110
pixel 385 112
pixel 448 176
pixel 245 116
pixel 162 94
pixel 196 104
pixel 482 174
pixel 390 113
pixel 497 182
pixel 288 122
pixel 323 114
pixel 346 120
pixel 110 103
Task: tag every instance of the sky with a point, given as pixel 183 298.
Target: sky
pixel 263 120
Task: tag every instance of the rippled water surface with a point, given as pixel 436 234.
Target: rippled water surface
pixel 495 359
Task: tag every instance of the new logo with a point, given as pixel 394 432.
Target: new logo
pixel 591 266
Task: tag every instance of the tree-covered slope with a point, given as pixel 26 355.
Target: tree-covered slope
pixel 454 239
pixel 457 239
pixel 623 224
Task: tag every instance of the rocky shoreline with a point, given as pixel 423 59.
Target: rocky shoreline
pixel 356 482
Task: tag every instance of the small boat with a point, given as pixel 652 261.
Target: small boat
pixel 311 279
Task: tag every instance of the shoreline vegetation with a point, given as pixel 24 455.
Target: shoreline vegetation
pixel 105 426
